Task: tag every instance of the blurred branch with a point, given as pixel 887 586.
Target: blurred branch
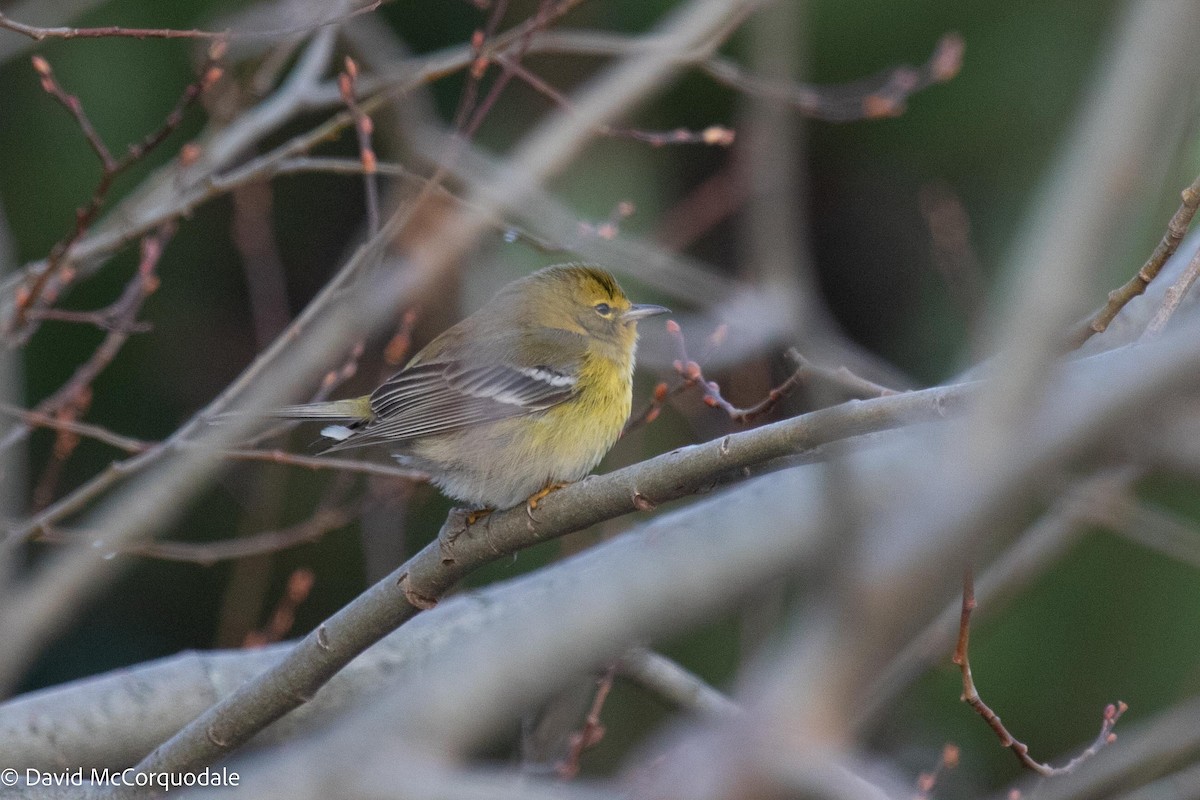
pixel 884 95
pixel 592 731
pixel 296 591
pixel 671 681
pixel 1092 405
pixel 1071 228
pixel 1173 297
pixel 132 445
pixel 180 189
pixel 542 154
pixel 206 554
pixel 1159 531
pixel 426 576
pixel 38 33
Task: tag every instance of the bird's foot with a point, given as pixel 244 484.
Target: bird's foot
pixel 477 514
pixel 532 503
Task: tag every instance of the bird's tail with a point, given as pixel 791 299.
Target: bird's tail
pixel 356 409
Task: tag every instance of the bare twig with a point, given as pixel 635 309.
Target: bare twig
pixel 1173 297
pixel 712 135
pixel 592 731
pixel 953 253
pixel 927 781
pixel 971 697
pixel 428 574
pixel 298 586
pixel 116 31
pixel 670 680
pixel 33 294
pixel 693 375
pixel 363 127
pixel 120 319
pixel 1118 298
pixel 132 445
pixel 884 95
pixel 206 554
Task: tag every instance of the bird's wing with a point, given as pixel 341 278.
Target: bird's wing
pixel 444 395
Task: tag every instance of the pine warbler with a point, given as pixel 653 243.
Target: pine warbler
pixel 526 394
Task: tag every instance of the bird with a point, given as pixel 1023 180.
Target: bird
pixel 523 396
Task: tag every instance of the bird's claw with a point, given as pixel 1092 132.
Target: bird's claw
pixel 532 503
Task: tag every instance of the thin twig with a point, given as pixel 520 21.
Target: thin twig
pixel 592 731
pixel 1172 298
pixel 927 781
pixel 667 678
pixel 33 294
pixel 363 127
pixel 468 117
pixel 1118 298
pixel 206 554
pixel 116 31
pixel 693 375
pixel 715 135
pixel 403 78
pixel 298 586
pixel 884 95
pixel 122 316
pixel 971 697
pixel 132 445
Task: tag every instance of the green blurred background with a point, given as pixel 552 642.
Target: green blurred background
pixel 1113 621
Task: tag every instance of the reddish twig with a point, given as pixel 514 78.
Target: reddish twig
pixel 927 781
pixel 693 375
pixel 44 286
pixel 396 351
pixel 953 254
pixel 470 115
pixel 113 31
pixel 510 65
pixel 611 227
pixel 65 442
pixel 1119 297
pixel 478 67
pixel 298 586
pixel 363 127
pixel 592 731
pixel 714 135
pixel 120 319
pixel 971 697
pixel 884 95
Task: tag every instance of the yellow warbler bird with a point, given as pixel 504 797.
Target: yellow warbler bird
pixel 524 395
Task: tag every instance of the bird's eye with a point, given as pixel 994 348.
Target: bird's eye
pixel 603 309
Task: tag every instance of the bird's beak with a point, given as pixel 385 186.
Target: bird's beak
pixel 641 311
